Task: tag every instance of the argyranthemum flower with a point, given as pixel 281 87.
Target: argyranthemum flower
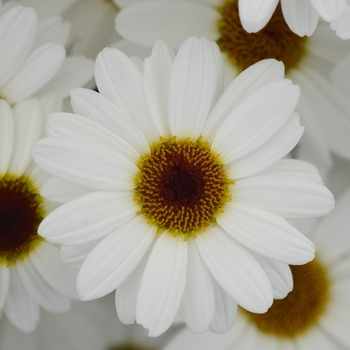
pixel 31 271
pixel 315 315
pixel 184 179
pixel 301 16
pixel 33 59
pixel 308 61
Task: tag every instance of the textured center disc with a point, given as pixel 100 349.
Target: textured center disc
pixel 181 186
pixel 303 306
pixel 275 40
pixel 20 216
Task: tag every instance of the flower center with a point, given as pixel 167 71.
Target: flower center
pixel 303 306
pixel 181 186
pixel 275 40
pixel 20 216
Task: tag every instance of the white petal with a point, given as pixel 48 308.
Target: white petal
pixel 278 146
pixel 250 80
pixel 341 25
pixel 328 9
pixel 39 290
pixel 300 16
pixel 38 176
pixel 88 218
pixel 235 270
pixel 4 284
pixel 47 260
pixel 119 80
pixel 195 81
pixel 162 285
pixel 291 197
pixel 279 274
pixel 126 293
pixel 156 79
pixel 198 302
pixel 76 71
pixel 7 135
pixel 172 21
pixel 19 308
pixel 17 34
pixel 99 109
pixel 114 258
pixel 52 102
pixel 225 311
pixel 315 338
pixel 73 125
pixel 84 163
pixel 29 123
pixel 254 15
pixel 266 234
pixel 39 68
pixel 256 120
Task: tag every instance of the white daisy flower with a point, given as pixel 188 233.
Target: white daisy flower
pixel 186 180
pixel 315 315
pixel 301 16
pixel 32 57
pixel 90 325
pixel 308 61
pixel 31 271
pixel 92 23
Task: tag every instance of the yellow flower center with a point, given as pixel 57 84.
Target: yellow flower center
pixel 275 40
pixel 20 215
pixel 303 306
pixel 181 186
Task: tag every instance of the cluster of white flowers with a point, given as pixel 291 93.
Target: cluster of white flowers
pixel 187 173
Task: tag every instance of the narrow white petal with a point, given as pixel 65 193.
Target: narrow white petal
pixel 88 218
pixel 162 285
pixel 256 120
pixel 52 103
pixel 300 16
pixel 279 274
pixel 198 302
pixel 85 163
pixel 38 69
pixel 7 136
pixel 254 15
pixel 278 146
pixel 225 311
pixel 17 34
pixel 75 71
pixel 39 290
pixel 156 79
pixel 195 79
pixel 119 80
pixel 114 258
pixel 126 293
pixel 37 175
pixel 329 10
pixel 4 284
pixel 235 270
pixel 73 125
pixel 341 25
pixel 101 110
pixel 19 308
pixel 291 197
pixel 172 21
pixel 266 234
pixel 250 80
pixel 29 123
pixel 47 260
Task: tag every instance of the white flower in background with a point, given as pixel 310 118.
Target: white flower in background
pixel 90 325
pixel 323 106
pixel 188 194
pixel 33 60
pixel 31 271
pixel 315 315
pixel 92 23
pixel 301 16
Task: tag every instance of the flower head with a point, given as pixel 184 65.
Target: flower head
pixel 188 192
